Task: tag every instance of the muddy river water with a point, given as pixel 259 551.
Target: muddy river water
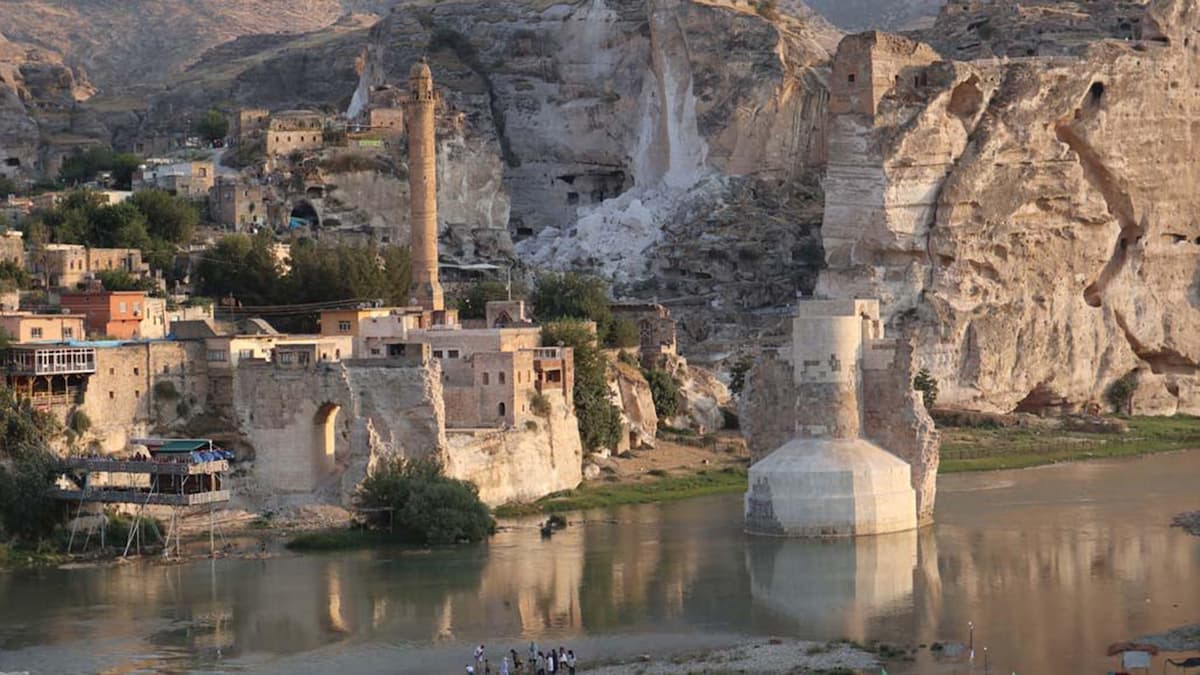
pixel 1050 564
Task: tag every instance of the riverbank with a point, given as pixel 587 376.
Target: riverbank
pixel 990 449
pixel 759 656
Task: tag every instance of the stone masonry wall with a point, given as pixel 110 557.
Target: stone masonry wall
pixel 894 416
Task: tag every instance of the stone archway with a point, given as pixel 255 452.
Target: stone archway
pixel 304 214
pixel 325 440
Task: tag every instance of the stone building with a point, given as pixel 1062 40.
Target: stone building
pixel 69 265
pixel 656 330
pixel 843 443
pixel 237 205
pixel 186 179
pixel 29 327
pixel 12 248
pixel 249 123
pixel 116 314
pixel 873 64
pixel 294 130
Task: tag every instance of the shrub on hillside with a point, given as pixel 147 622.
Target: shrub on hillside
pixel 426 507
pixel 599 419
pixel 664 390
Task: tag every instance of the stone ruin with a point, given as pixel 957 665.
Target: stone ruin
pixel 842 443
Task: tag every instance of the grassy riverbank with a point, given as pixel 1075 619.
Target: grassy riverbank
pixel 646 490
pixel 984 449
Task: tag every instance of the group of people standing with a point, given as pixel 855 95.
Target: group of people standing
pixel 548 662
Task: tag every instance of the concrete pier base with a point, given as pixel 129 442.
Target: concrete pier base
pixel 822 487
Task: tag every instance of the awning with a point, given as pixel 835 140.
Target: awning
pixel 182 445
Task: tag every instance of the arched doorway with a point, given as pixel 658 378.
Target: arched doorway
pixel 304 214
pixel 325 440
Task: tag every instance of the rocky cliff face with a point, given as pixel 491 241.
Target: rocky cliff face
pixel 1032 221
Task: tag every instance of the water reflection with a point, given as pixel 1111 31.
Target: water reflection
pixel 834 588
pixel 1050 565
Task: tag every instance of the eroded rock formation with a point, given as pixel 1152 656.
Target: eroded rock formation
pixel 1032 220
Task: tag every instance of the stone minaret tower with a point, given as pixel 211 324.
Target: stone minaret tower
pixel 422 181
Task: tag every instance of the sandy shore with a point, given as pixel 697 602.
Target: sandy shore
pixel 760 656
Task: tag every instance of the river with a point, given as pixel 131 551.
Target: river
pixel 1050 564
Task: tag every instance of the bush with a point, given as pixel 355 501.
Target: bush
pixel 426 506
pixel 664 390
pixel 1121 390
pixel 928 387
pixel 80 422
pixel 572 296
pixel 623 335
pixel 27 511
pixel 473 305
pixel 737 373
pixel 539 404
pixel 166 390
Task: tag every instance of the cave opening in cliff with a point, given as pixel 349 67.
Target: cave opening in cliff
pixel 12 161
pixel 1096 92
pixel 325 437
pixel 304 214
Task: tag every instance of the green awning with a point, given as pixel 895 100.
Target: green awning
pixel 183 445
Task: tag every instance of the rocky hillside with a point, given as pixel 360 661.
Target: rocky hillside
pixel 1034 223
pixel 894 15
pixel 125 45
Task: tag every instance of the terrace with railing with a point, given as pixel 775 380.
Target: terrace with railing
pixel 50 360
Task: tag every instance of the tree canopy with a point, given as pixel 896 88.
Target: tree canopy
pixel 423 505
pixel 212 126
pixel 599 419
pixel 84 165
pixel 571 295
pixel 473 305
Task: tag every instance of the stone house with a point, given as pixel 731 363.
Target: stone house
pixel 186 179
pixel 871 65
pixel 117 314
pixel 12 248
pixel 249 123
pixel 656 330
pixel 237 205
pixel 294 130
pixel 26 327
pixel 69 265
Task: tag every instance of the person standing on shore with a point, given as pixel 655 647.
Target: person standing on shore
pixel 504 666
pixel 551 663
pixel 571 662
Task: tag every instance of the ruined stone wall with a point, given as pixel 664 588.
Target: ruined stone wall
pixel 894 416
pixel 523 463
pixel 360 410
pixel 124 398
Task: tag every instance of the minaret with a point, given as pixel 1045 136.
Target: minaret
pixel 422 181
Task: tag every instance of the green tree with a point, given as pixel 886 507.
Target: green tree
pixel 928 386
pixel 571 295
pixel 397 267
pixel 13 276
pixel 83 166
pixel 664 391
pixel 120 280
pixel 123 167
pixel 423 505
pixel 241 266
pixel 27 512
pixel 599 419
pixel 623 334
pixel 212 126
pixel 168 217
pixel 1120 393
pixel 118 226
pixel 473 305
pixel 737 373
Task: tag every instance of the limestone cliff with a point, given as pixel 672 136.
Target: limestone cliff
pixel 1033 221
pixel 520 465
pixel 631 394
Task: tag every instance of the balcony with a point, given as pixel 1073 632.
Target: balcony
pixel 50 360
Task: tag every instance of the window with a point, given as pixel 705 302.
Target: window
pixel 287 357
pixel 136 370
pixel 111 395
pixel 122 308
pixel 344 326
pixel 374 352
pixel 137 308
pixel 218 355
pixel 137 394
pixel 437 354
pixel 500 409
pixel 485 379
pixel 245 353
pixel 112 371
pixel 501 377
pixel 304 358
pixel 167 369
pixel 453 353
pixel 36 333
pixel 337 354
pixel 850 78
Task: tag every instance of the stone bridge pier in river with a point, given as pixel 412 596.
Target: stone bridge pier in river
pixel 852 450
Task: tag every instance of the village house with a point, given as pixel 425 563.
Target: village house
pixel 25 327
pixel 656 330
pixel 295 130
pixel 12 248
pixel 186 179
pixel 69 265
pixel 115 314
pixel 237 205
pixel 250 123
